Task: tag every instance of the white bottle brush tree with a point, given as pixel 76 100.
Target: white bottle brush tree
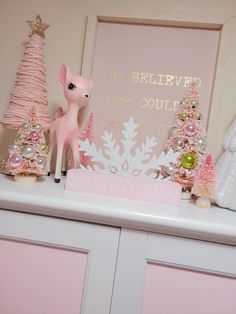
pixel 28 154
pixel 226 171
pixel 188 138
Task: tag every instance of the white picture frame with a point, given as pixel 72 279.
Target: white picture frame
pixel 222 108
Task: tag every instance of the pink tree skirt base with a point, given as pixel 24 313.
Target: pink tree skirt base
pixel 25 177
pixel 203 202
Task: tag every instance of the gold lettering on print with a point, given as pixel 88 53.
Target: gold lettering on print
pixel 187 81
pixel 197 81
pixel 178 79
pixel 113 125
pixel 164 79
pixel 144 77
pixel 142 128
pixel 168 106
pixel 115 76
pixel 120 101
pixel 152 79
pixel 161 127
pixel 175 104
pixel 169 80
pixel 158 104
pixel 160 79
pixel 135 77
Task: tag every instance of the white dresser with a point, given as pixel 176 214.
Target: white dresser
pixel 67 252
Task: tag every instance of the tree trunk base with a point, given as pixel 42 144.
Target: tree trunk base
pixel 25 177
pixel 203 202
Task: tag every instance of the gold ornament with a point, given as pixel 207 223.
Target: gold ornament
pixel 37 27
pixel 45 149
pixel 19 137
pixel 188 161
pixel 183 116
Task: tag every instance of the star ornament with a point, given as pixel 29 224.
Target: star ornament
pixel 37 27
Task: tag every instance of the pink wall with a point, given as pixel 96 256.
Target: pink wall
pixel 169 290
pixel 40 279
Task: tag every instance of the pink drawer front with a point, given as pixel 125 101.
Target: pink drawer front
pixel 170 290
pixel 37 279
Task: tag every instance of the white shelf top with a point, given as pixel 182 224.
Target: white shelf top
pixel 51 199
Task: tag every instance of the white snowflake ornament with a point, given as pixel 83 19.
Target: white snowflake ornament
pixel 124 159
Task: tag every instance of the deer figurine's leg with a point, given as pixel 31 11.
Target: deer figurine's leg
pixel 64 162
pixel 76 154
pixel 52 146
pixel 58 163
pixel 49 158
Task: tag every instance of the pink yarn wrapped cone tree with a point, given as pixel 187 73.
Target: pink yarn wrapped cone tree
pixel 30 86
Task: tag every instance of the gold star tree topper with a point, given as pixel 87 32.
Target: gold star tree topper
pixel 37 27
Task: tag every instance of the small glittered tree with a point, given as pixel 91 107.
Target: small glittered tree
pixel 28 155
pixel 188 137
pixel 88 132
pixel 30 86
pixel 204 184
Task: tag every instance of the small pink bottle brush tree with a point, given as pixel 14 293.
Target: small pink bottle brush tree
pixel 204 184
pixel 28 154
pixel 188 137
pixel 87 132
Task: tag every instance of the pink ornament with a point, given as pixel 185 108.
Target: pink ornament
pixel 15 161
pixel 34 136
pixel 12 148
pixel 178 143
pixel 42 162
pixel 28 151
pixel 190 129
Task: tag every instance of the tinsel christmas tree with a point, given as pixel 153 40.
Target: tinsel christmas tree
pixel 28 154
pixel 88 132
pixel 188 137
pixel 30 86
pixel 204 184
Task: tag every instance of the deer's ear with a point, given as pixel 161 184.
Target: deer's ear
pixel 64 74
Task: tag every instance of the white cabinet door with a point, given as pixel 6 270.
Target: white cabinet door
pixel 160 274
pixel 56 266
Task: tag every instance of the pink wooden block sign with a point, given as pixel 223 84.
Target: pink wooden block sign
pixel 123 187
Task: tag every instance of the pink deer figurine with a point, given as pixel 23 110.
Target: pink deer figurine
pixel 65 129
